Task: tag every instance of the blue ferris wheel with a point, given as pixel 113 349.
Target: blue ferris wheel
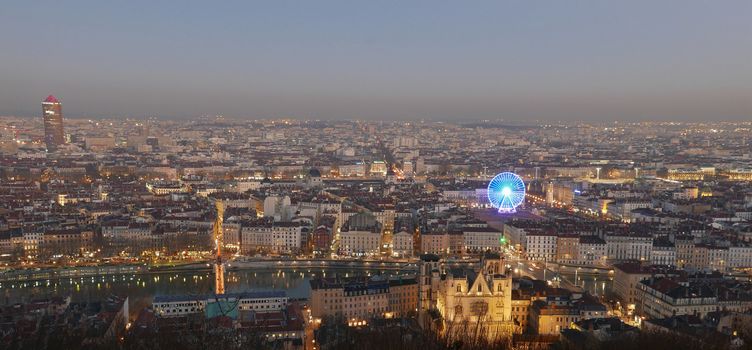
pixel 506 192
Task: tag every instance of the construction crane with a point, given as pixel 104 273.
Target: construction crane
pixel 219 268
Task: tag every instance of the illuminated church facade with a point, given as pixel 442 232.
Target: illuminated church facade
pixel 471 301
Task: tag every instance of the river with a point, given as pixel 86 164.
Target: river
pixel 142 287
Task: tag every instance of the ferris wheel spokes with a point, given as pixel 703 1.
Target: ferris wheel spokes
pixel 506 191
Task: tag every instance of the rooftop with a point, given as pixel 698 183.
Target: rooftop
pixel 244 295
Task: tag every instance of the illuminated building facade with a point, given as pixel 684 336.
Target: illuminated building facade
pixel 52 112
pixel 467 298
pixel 363 298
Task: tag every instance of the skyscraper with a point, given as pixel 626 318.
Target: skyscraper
pixel 53 123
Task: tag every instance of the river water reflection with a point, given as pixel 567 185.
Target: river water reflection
pixel 141 288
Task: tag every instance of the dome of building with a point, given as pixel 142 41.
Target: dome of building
pixel 314 173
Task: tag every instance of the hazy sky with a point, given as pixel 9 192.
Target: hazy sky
pixel 517 60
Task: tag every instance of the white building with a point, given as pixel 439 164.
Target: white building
pixel 740 256
pixel 718 258
pixel 165 188
pixel 126 230
pixel 276 237
pixel 516 235
pixel 244 185
pixel 665 297
pixel 31 241
pixel 357 169
pixel 361 234
pixel 359 242
pixel 385 217
pixel 480 239
pixel 541 246
pixel 278 207
pixel 623 207
pixel 434 243
pixel 402 141
pixel 183 305
pixel 592 251
pixel 319 206
pixel 629 247
pixel 402 244
pixel 378 167
pixel 663 253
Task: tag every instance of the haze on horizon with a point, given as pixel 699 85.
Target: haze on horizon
pixel 516 60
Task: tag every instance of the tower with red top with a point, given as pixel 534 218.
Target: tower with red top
pixel 52 113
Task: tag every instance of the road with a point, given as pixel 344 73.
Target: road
pixel 538 270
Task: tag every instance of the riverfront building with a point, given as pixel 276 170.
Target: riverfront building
pixel 184 305
pixel 363 298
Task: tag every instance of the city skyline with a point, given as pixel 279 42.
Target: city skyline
pixel 327 175
pixel 334 60
pixel 168 234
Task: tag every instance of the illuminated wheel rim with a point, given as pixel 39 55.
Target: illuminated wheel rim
pixel 506 192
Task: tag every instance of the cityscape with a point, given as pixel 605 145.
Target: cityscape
pixel 326 230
